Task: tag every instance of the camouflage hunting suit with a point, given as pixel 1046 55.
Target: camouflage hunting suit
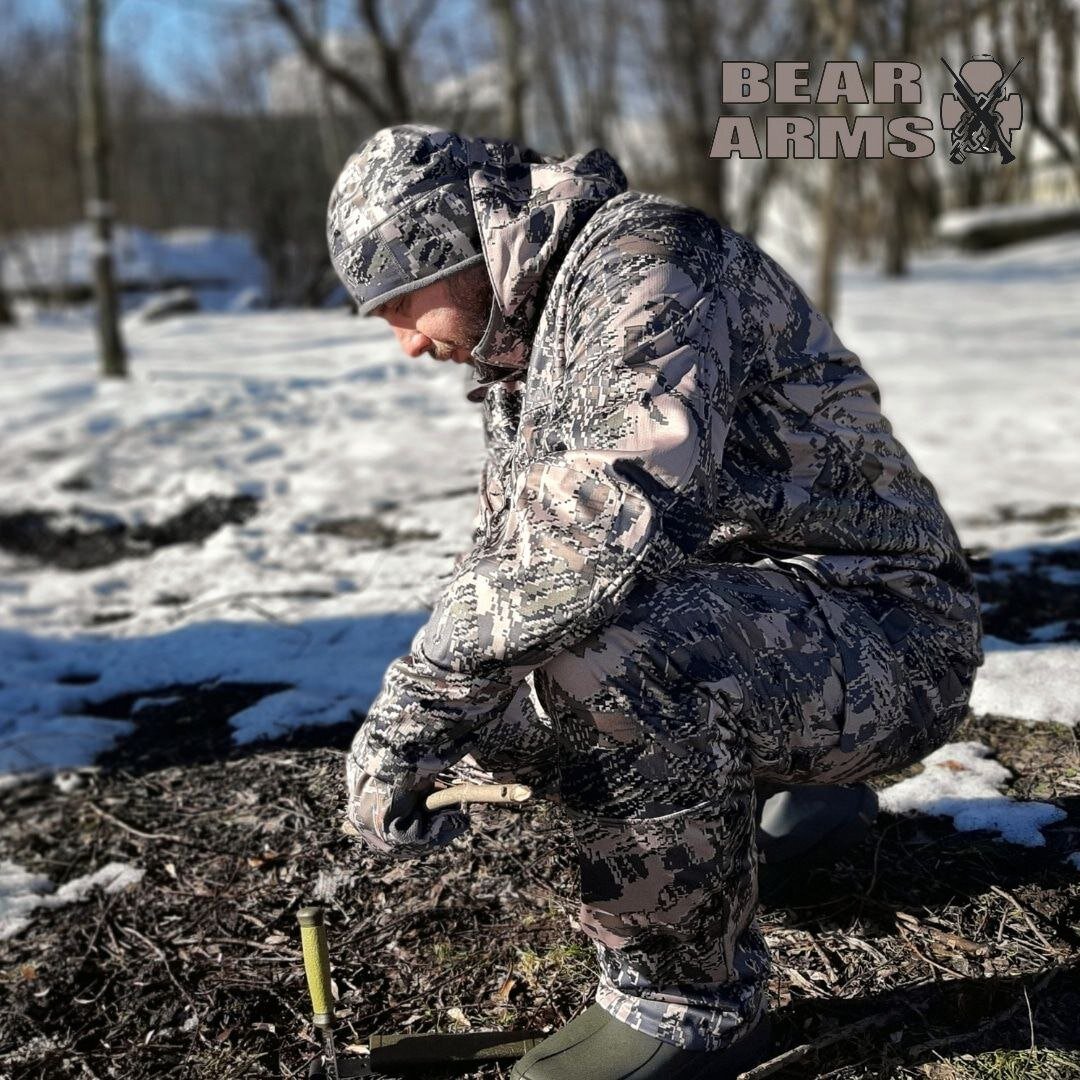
pixel 701 558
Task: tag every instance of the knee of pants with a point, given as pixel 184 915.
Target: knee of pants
pixel 606 674
pixel 681 885
pixel 636 739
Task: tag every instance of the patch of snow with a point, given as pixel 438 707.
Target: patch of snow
pixel 955 224
pixel 336 665
pixel 113 877
pixel 1032 558
pixel 962 781
pixel 1029 682
pixel 21 892
pixel 68 780
pixel 976 356
pixel 10 781
pixel 36 741
pixel 54 258
pixel 1050 631
pixel 1060 575
pixel 161 305
pixel 249 299
pixel 153 701
pixel 315 413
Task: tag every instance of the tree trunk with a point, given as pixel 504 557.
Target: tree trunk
pixel 829 256
pixel 508 31
pixel 98 207
pixel 897 223
pixel 7 316
pixel 333 156
pixel 312 48
pixel 391 59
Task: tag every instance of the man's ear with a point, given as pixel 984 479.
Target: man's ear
pixel 388 307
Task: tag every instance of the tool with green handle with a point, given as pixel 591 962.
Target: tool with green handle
pixel 394 1054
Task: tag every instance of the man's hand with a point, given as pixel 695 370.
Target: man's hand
pixel 392 820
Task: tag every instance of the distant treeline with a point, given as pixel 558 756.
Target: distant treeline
pixel 255 145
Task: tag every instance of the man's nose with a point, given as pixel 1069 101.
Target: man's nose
pixel 412 342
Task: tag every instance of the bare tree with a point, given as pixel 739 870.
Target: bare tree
pixel 392 102
pixel 549 77
pixel 763 33
pixel 896 31
pixel 1027 22
pixel 98 205
pixel 840 22
pixel 328 128
pixel 680 42
pixel 512 68
pixel 269 171
pixel 577 69
pixel 7 316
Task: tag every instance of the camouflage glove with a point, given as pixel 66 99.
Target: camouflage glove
pixel 391 819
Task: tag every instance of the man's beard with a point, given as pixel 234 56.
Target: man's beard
pixel 442 350
pixel 471 293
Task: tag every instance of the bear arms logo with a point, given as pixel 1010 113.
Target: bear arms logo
pixel 980 115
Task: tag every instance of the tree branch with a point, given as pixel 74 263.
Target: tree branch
pixel 316 55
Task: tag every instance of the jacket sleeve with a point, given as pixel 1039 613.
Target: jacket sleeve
pixel 615 482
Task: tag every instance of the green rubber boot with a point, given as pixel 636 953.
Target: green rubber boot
pixel 596 1046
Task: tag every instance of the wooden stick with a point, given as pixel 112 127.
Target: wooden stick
pixel 172 837
pixel 797 1053
pixel 459 794
pixel 477 793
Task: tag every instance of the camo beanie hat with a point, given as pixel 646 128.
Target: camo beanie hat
pixel 400 214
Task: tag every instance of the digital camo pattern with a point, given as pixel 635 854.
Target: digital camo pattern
pixel 659 724
pixel 663 407
pixel 405 208
pixel 400 213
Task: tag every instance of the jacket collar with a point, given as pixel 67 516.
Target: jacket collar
pixel 528 214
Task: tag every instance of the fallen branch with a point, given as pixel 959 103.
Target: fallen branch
pixel 804 1050
pixel 1024 915
pixel 993 1022
pixel 131 828
pixel 798 1053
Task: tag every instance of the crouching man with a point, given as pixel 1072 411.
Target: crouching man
pixel 703 566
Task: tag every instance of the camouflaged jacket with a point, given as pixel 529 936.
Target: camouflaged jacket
pixel 656 391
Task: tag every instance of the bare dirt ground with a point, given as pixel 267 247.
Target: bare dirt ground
pixel 927 953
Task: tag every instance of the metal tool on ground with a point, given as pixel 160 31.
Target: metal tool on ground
pixel 317 968
pixel 400 1054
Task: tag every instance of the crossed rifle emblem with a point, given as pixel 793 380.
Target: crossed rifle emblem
pixel 979 129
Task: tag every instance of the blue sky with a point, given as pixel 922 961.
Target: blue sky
pixel 174 39
pixel 169 37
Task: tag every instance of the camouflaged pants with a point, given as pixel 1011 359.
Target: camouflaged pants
pixel 652 734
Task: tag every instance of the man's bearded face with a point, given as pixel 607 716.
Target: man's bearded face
pixel 444 320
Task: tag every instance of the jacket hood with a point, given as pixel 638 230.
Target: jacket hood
pixel 416 203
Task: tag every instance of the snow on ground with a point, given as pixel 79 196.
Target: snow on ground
pixel 1029 682
pixel 316 414
pixel 221 265
pixel 976 360
pixel 962 781
pixel 320 417
pixel 21 892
